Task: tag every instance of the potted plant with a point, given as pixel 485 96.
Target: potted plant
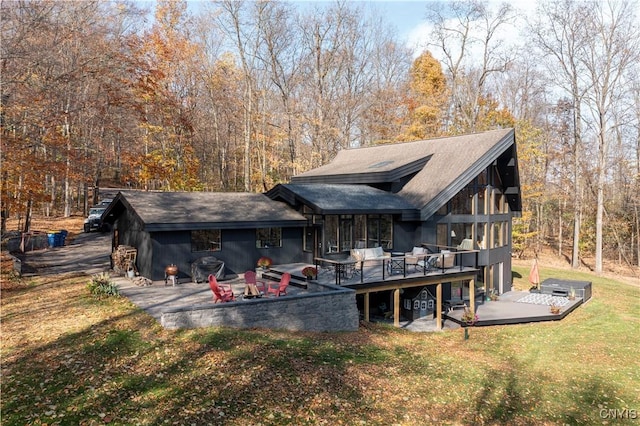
pixel 264 262
pixel 309 272
pixel 469 318
pixel 572 293
pixel 554 309
pixel 493 295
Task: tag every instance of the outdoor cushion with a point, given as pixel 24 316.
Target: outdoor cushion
pixel 448 259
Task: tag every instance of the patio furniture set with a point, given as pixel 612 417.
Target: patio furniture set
pixel 253 288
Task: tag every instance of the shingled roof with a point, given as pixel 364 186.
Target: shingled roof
pixel 344 199
pixel 441 167
pixel 202 210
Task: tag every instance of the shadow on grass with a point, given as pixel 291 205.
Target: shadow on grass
pixel 512 395
pixel 127 370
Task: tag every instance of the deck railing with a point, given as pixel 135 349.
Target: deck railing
pixel 396 263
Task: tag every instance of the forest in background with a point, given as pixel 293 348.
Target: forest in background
pixel 242 95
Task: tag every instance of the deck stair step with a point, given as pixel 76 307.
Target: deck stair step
pixel 275 276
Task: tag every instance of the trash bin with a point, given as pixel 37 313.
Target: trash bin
pixel 63 236
pixel 52 237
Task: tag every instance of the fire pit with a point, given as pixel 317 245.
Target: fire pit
pixel 170 274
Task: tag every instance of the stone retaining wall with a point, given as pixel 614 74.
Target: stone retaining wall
pixel 325 308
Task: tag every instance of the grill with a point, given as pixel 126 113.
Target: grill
pixel 556 287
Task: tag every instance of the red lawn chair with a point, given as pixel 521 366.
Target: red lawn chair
pixel 281 289
pixel 221 292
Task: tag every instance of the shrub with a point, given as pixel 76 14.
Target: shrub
pixel 101 285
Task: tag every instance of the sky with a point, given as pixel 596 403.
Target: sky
pixel 409 16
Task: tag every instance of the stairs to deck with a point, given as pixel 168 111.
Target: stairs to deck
pixel 276 275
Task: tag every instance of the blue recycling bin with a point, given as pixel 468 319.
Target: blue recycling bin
pixel 52 239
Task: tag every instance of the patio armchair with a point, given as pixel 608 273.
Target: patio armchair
pixel 221 292
pixel 445 259
pixel 416 254
pixel 280 289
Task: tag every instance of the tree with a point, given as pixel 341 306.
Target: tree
pixel 459 29
pixel 557 33
pixel 612 47
pixel 430 91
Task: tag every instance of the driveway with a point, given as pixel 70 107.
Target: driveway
pixel 88 252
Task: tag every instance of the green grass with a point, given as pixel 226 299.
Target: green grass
pixel 68 358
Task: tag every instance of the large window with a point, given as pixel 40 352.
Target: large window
pixel 461 203
pixel 344 232
pixel 268 237
pixel 380 231
pixel 206 240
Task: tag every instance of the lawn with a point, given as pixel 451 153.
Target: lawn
pixel 69 358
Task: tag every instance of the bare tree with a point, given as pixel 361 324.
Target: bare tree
pixel 612 47
pixel 557 32
pixel 461 29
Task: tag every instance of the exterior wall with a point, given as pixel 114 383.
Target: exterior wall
pixel 238 251
pixel 406 235
pixel 330 309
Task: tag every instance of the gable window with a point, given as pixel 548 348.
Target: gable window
pixel 268 237
pixel 462 202
pixel 206 240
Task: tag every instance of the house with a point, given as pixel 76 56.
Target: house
pixel 180 227
pixel 455 194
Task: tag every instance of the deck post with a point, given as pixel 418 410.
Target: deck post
pixel 366 306
pixel 472 295
pixel 439 306
pixel 396 307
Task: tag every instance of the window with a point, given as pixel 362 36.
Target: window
pixel 206 240
pixel 499 233
pixel 461 203
pixel 360 231
pixel 441 235
pixel 331 234
pixel 498 199
pixel 346 232
pixel 380 231
pixel 481 239
pixel 268 237
pixel 460 232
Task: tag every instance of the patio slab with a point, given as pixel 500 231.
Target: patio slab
pixel 158 297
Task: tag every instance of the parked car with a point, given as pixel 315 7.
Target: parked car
pixel 105 202
pixel 94 220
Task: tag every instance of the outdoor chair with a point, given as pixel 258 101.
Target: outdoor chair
pixel 280 289
pixel 221 292
pixel 250 279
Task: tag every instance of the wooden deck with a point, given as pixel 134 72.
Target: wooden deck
pixel 511 308
pixel 375 276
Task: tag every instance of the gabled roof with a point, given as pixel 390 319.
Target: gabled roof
pixel 436 169
pixel 344 199
pixel 170 211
